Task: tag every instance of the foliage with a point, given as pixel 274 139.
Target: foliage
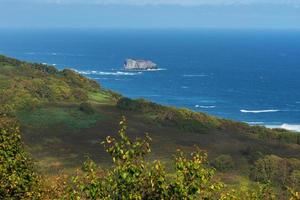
pixel 169 116
pixel 28 85
pixel 49 116
pixel 282 171
pixel 17 177
pixel 200 122
pixel 256 192
pixel 133 177
pixel 261 132
pixel 86 108
pixel 223 163
pixel 294 194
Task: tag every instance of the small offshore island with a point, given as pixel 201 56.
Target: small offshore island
pixel 132 64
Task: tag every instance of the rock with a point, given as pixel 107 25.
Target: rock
pixel 131 64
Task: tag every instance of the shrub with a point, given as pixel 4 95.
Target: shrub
pixel 184 119
pixel 223 163
pixel 277 170
pixel 295 179
pixel 133 177
pixel 86 108
pixel 17 178
pixel 251 154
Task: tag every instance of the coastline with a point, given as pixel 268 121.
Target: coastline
pixel 289 127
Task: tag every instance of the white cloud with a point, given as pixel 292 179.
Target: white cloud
pixel 163 2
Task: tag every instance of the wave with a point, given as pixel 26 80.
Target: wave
pixel 158 69
pixel 290 127
pixel 117 73
pixel 255 123
pixel 207 107
pixel 54 54
pixel 259 111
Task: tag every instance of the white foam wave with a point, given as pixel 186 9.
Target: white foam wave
pixel 259 111
pixel 290 127
pixel 117 73
pixel 159 69
pixel 207 107
pixel 255 123
pixel 53 54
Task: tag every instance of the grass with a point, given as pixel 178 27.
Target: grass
pixel 100 97
pixel 46 117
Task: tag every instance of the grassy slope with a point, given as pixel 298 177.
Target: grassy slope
pixel 59 135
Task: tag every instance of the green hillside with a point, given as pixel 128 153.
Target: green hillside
pixel 64 116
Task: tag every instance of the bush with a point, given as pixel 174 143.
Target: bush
pixel 132 177
pixel 86 108
pixel 223 163
pixel 184 119
pixel 251 154
pixel 272 168
pixel 17 178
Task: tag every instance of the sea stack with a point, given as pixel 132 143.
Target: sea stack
pixel 131 64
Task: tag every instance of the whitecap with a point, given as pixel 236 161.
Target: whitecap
pixel 158 69
pixel 259 111
pixel 290 127
pixel 100 78
pixel 255 123
pixel 207 107
pixel 117 73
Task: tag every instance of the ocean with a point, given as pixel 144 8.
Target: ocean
pixel 246 75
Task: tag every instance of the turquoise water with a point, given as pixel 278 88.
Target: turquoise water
pixel 250 76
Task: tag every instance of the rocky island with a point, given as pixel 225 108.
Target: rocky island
pixel 131 64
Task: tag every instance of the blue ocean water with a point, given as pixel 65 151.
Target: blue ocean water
pixel 250 76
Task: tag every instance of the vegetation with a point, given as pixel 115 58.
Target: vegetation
pixel 277 170
pixel 26 85
pixel 223 163
pixel 63 115
pixel 202 123
pixel 132 176
pixel 17 177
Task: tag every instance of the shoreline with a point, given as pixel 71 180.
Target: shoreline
pixel 289 127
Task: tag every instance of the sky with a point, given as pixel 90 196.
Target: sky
pixel 150 14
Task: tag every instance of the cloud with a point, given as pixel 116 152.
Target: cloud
pixel 164 2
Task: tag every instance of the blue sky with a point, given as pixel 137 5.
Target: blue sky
pixel 150 14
